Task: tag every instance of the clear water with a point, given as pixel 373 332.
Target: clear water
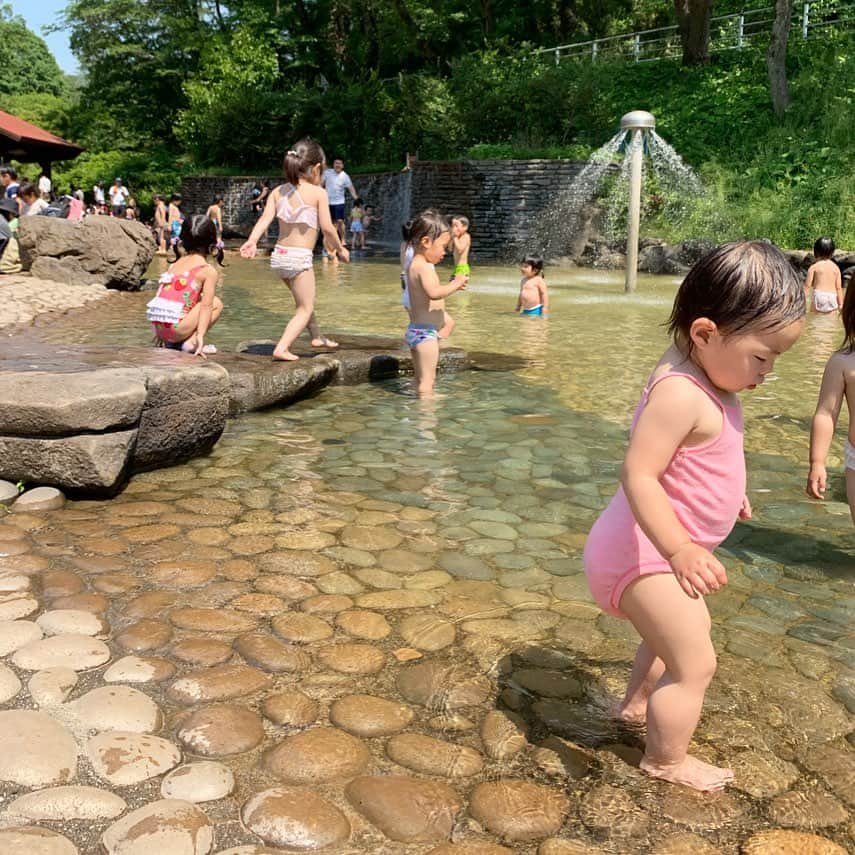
pixel 488 492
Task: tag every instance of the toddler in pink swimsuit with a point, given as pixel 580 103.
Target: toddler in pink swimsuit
pixel 649 556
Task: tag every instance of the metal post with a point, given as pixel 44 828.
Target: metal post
pixel 636 152
pixel 637 47
pixel 805 20
pixel 593 50
pixel 557 56
pixel 740 31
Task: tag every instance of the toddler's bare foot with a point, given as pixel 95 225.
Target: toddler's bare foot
pixel 323 341
pixel 284 356
pixel 691 772
pixel 189 345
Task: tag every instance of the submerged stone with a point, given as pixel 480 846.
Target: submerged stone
pixel 406 809
pixel 519 810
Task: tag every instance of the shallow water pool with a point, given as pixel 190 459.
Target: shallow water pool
pixel 447 535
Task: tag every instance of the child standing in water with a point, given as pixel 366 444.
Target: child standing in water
pixel 649 556
pixel 185 307
pixel 429 236
pixel 357 212
pixel 838 383
pixel 824 277
pixel 215 214
pixel 533 298
pixel 302 207
pixel 175 218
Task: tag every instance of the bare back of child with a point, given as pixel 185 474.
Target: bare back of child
pixel 824 278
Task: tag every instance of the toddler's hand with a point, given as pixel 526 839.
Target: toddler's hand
pixel 248 250
pixel 697 570
pixel 816 481
pixel 344 255
pixel 461 281
pixel 745 512
pixel 200 344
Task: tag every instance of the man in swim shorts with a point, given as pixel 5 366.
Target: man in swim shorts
pixel 336 181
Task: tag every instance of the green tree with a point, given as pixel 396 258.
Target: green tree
pixel 26 61
pixel 137 55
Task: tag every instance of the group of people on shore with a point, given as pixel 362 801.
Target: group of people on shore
pixel 649 556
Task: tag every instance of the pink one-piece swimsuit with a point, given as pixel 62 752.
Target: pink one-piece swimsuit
pixel 706 487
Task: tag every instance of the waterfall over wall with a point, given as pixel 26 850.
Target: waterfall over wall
pixel 503 199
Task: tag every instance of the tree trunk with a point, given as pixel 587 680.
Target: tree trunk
pixel 693 19
pixel 776 57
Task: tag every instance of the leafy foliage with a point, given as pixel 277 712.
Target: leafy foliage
pixel 27 63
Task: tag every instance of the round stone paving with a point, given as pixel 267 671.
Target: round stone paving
pixel 518 810
pixel 406 809
pixel 167 826
pixel 366 715
pixel 204 781
pixel 125 758
pixel 31 840
pixel 291 709
pixel 59 803
pixel 431 756
pixel 316 756
pixel 295 819
pixel 220 730
pixel 779 842
pixel 35 750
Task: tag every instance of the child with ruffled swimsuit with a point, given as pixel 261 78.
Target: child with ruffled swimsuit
pixel 185 306
pixel 429 236
pixel 838 384
pixel 649 557
pixel 533 299
pixel 824 278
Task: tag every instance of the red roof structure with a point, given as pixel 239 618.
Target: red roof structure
pixel 31 144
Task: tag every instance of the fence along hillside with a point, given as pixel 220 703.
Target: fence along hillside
pixel 751 28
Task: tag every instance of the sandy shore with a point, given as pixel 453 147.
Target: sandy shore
pixel 23 298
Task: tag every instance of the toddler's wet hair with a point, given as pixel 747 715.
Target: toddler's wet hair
pixel 823 248
pixel 430 224
pixel 535 262
pixel 742 286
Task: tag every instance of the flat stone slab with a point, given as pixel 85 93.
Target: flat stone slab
pixel 86 416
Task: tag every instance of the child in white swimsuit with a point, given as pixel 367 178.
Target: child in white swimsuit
pixel 302 208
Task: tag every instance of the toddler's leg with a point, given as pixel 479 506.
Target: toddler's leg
pixel 647 670
pixel 425 361
pixel 676 628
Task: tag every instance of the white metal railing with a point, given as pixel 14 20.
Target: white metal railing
pixel 727 32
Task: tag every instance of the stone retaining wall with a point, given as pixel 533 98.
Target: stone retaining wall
pixel 503 199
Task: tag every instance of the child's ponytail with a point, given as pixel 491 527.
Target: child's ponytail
pixel 300 159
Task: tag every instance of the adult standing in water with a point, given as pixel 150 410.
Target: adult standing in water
pixel 336 181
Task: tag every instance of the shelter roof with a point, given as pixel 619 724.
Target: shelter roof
pixel 31 143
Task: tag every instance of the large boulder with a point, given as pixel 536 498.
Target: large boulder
pixel 104 250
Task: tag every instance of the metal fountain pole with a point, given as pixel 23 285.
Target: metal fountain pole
pixel 636 122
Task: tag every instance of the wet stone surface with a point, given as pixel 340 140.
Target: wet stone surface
pixel 361 625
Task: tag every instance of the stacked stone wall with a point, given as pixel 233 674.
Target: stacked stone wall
pixel 503 199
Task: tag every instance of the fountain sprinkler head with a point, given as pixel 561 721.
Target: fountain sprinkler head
pixel 637 120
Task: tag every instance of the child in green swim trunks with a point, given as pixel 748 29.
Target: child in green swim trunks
pixel 461 241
